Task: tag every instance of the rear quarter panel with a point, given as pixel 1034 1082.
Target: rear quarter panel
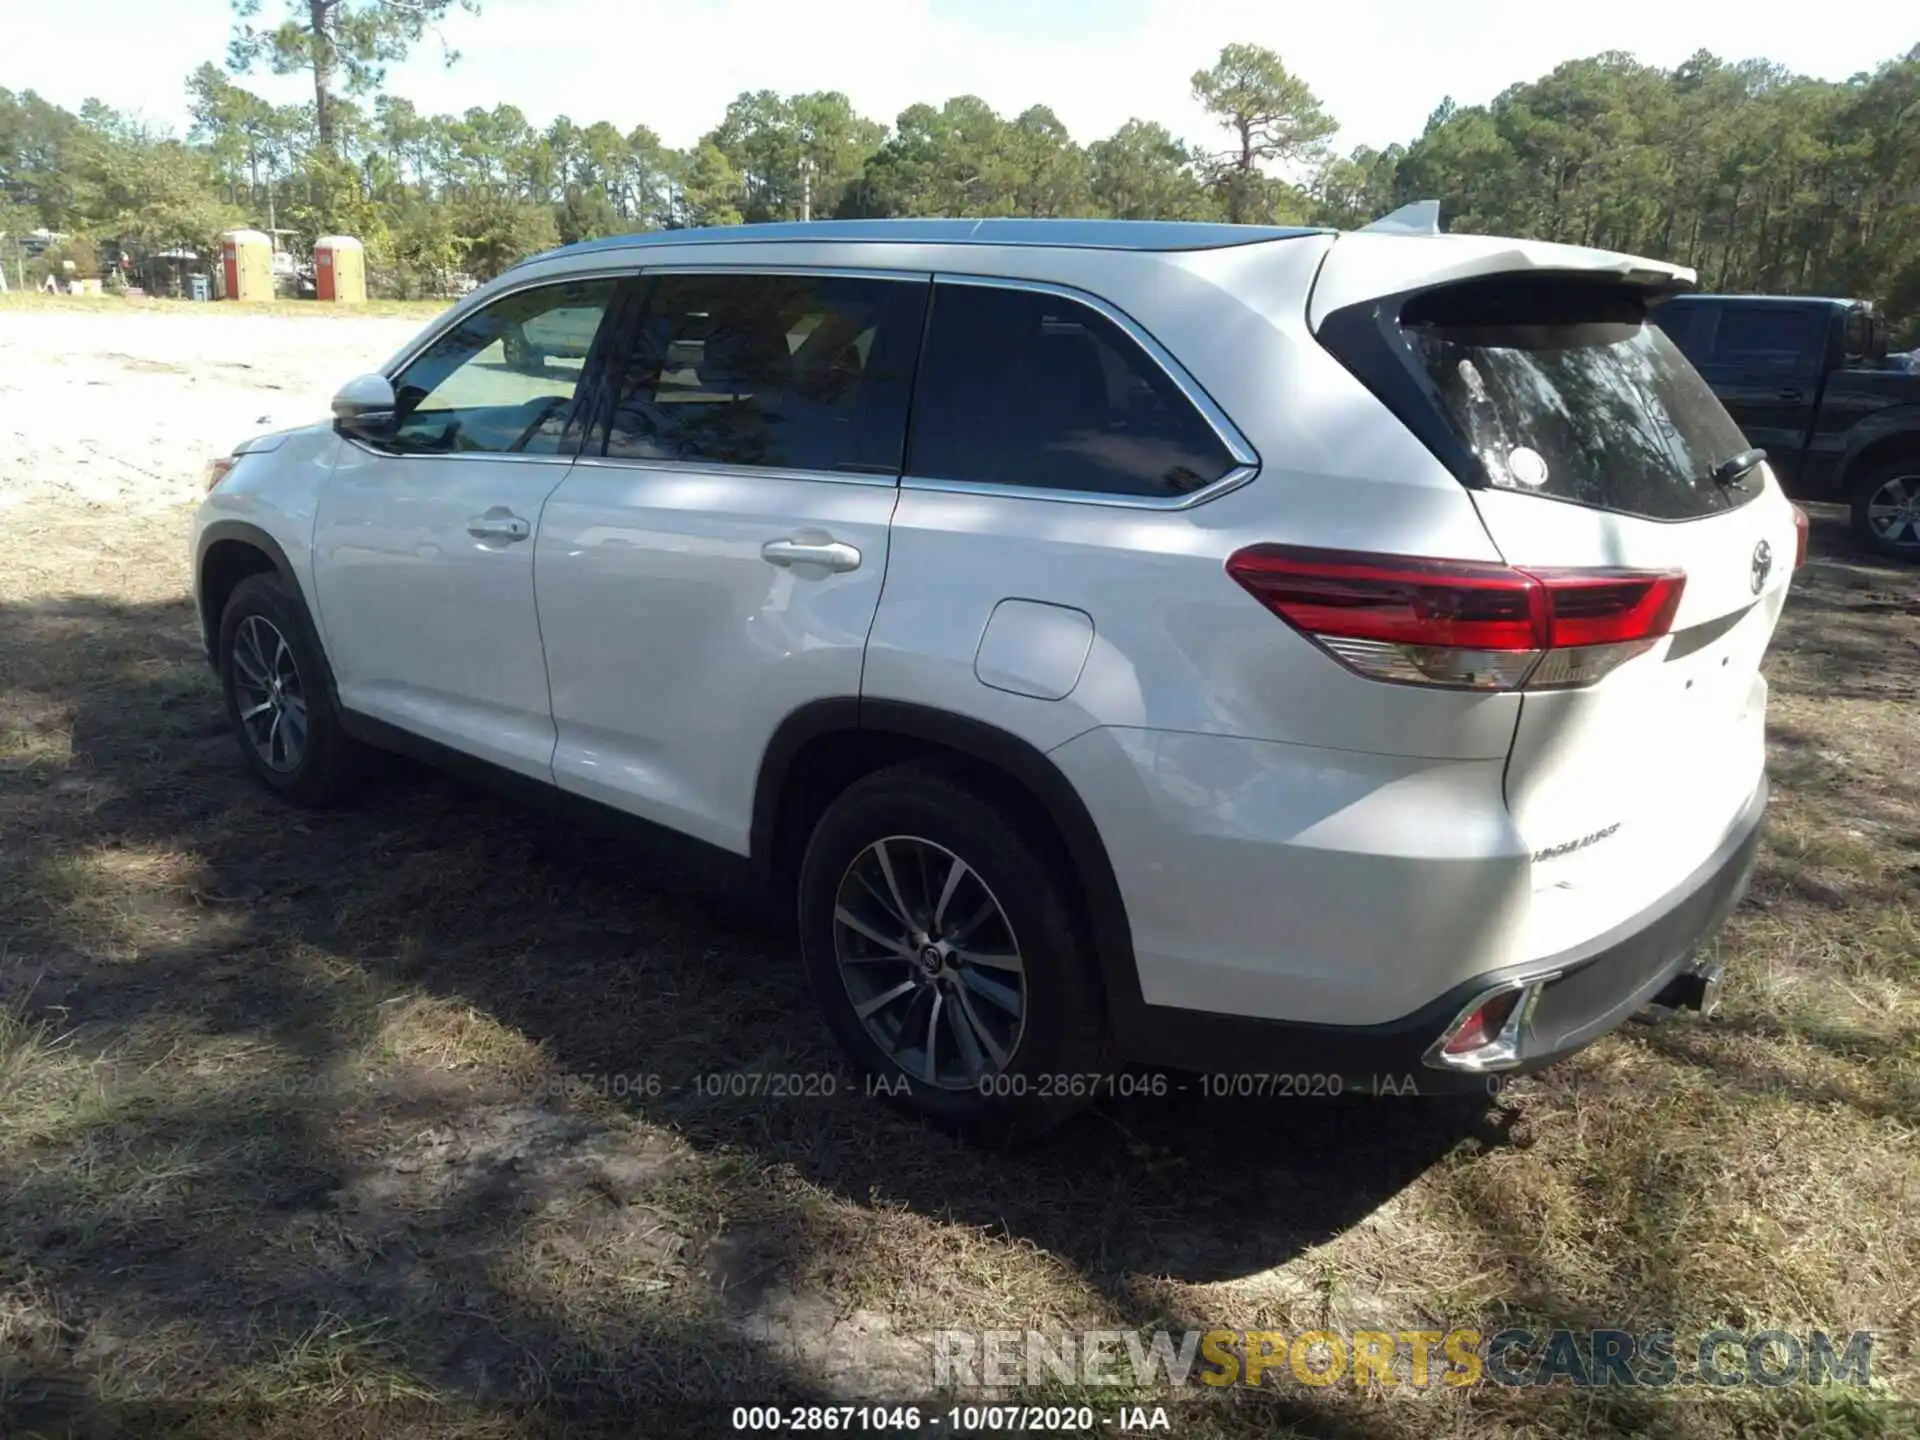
pixel 1177 644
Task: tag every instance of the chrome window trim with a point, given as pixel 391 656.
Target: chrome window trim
pixel 517 457
pixel 725 470
pixel 907 275
pixel 1237 446
pixel 1232 480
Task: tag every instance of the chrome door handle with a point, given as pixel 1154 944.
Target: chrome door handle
pixel 499 523
pixel 804 549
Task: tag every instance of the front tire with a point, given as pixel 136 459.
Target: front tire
pixel 1886 509
pixel 280 695
pixel 946 953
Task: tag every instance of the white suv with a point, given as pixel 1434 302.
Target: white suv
pixel 1332 657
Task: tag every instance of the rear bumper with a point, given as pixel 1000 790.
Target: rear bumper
pixel 1599 986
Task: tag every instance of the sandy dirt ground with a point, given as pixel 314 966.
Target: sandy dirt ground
pixel 126 407
pixel 435 1117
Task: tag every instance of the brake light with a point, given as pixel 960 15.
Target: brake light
pixel 1800 526
pixel 1462 623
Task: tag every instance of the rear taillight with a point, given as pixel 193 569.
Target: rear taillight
pixel 1462 623
pixel 1800 526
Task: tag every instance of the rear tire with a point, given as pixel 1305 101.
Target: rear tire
pixel 1018 1035
pixel 279 694
pixel 1886 508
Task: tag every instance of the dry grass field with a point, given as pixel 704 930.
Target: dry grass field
pixel 392 1121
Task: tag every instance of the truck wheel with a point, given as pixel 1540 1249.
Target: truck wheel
pixel 1886 508
pixel 947 956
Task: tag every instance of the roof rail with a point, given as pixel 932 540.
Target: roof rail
pixel 1145 235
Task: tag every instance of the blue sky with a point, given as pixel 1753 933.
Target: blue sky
pixel 1380 65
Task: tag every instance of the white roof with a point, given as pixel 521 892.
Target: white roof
pixel 337 242
pixel 245 237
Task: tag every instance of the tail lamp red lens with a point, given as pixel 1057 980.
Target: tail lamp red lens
pixel 1462 623
pixel 1483 1026
pixel 1801 524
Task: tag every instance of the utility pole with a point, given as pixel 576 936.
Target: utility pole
pixel 806 188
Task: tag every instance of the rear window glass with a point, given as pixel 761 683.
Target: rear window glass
pixel 1571 393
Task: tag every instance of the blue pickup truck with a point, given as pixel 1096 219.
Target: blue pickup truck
pixel 1809 381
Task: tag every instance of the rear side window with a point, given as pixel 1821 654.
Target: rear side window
pixel 1031 389
pixel 804 372
pixel 1568 391
pixel 1768 337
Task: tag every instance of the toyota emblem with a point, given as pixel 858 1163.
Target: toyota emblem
pixel 1762 565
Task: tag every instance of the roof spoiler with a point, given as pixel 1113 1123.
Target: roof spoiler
pixel 1422 217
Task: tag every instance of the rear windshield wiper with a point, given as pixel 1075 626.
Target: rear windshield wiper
pixel 1734 466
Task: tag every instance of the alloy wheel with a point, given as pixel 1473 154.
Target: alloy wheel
pixel 268 694
pixel 930 962
pixel 1893 510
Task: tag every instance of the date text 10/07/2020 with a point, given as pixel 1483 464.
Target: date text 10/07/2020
pixel 777 1086
pixel 954 1419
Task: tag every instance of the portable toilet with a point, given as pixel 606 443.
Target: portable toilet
pixel 246 257
pixel 340 269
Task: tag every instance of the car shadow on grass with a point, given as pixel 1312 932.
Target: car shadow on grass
pixel 284 1122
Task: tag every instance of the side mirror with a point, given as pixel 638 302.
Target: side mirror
pixel 1856 333
pixel 1877 336
pixel 1866 335
pixel 365 408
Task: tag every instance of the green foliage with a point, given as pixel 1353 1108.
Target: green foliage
pixel 76 258
pixel 333 40
pixel 965 159
pixel 1141 172
pixel 709 188
pixel 496 230
pixel 1760 179
pixel 1357 188
pixel 793 153
pixel 1274 120
pixel 426 249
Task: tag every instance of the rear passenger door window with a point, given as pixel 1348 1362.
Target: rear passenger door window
pixel 1033 389
pixel 790 371
pixel 1768 337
